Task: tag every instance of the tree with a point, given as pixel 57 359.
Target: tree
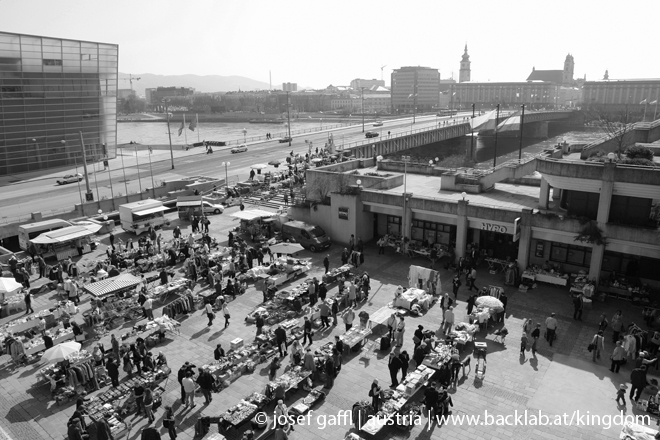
pixel 322 187
pixel 617 125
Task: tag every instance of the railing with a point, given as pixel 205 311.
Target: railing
pixel 293 132
pixel 370 141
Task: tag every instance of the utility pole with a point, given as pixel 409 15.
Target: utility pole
pixel 89 195
pixel 362 90
pixel 497 122
pixel 522 121
pixel 472 134
pixel 169 133
pixel 288 113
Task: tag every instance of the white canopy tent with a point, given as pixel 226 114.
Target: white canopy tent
pixel 253 214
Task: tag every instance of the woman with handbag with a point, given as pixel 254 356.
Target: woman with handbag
pixel 597 344
pixel 169 422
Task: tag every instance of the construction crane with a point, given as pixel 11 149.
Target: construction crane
pixel 381 71
pixel 130 78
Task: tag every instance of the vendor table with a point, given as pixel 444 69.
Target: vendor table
pixel 380 316
pixel 401 396
pixel 68 336
pixel 440 356
pixel 551 279
pixel 496 264
pixel 355 337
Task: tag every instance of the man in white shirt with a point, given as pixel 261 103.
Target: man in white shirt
pixel 349 316
pixel 550 328
pixel 449 320
pixel 148 308
pixel 189 387
pixel 209 313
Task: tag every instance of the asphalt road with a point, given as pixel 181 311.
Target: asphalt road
pixel 44 195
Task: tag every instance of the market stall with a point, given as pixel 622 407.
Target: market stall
pixel 395 401
pixel 66 242
pixel 413 296
pixel 111 286
pixel 355 338
pixel 546 276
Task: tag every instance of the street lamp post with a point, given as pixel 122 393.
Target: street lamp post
pixel 522 121
pixel 226 164
pixel 151 171
pixel 89 195
pixel 405 159
pixel 245 135
pixel 497 122
pixel 75 161
pixel 288 114
pixel 362 90
pixel 472 133
pixel 169 134
pixel 137 166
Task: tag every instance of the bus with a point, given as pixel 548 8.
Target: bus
pixel 446 112
pixel 32 230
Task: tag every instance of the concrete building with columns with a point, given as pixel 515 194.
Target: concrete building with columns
pixel 505 212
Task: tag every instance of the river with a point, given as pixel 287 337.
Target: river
pixel 155 133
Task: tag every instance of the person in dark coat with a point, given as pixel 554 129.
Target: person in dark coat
pixel 330 372
pixel 470 303
pixel 394 365
pixel 374 393
pixel 405 358
pixel 113 371
pixel 456 283
pixel 326 263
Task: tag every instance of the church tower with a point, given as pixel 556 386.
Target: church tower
pixel 569 65
pixel 607 75
pixel 464 72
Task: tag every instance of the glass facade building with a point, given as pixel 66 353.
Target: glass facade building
pixel 50 90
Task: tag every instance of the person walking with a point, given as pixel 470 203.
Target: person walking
pixel 578 305
pixel 638 381
pixel 618 355
pixel 138 392
pixel 307 331
pixel 472 278
pixel 149 404
pixel 523 343
pixel 330 371
pixel 259 322
pixel 456 283
pixel 189 387
pixel 597 344
pixel 431 401
pixel 449 320
pixel 391 324
pixel 169 422
pixel 325 315
pixel 226 314
pixel 381 246
pixel 621 395
pixel 617 325
pixel 374 393
pixel 28 302
pixel 351 243
pixel 334 310
pixel 471 303
pixel 550 328
pixel 536 334
pixel 209 313
pixel 602 323
pixel 344 257
pixel 115 346
pixel 348 317
pixel 394 365
pixel 405 359
pixel 326 263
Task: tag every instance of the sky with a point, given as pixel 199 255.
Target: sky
pixel 315 44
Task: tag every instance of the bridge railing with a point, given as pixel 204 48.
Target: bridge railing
pixel 371 141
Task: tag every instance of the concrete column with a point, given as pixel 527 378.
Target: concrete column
pixel 461 229
pixel 545 194
pixel 597 253
pixel 525 239
pixel 606 189
pixel 407 217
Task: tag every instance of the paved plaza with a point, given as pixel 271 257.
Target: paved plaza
pixel 560 379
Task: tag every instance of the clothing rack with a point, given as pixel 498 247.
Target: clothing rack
pixel 494 291
pixel 184 304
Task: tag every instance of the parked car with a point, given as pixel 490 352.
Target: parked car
pixel 378 124
pixel 70 178
pixel 212 208
pixel 371 134
pixel 239 149
pixel 285 139
pixel 308 236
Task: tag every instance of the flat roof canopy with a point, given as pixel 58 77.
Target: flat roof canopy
pixel 151 210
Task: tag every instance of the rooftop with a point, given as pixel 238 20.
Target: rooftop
pixel 503 196
pixel 553 76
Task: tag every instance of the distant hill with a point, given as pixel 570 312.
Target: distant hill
pixel 206 84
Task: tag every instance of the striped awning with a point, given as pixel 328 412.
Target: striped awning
pixel 109 286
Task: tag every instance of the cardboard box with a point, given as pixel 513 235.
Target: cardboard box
pixel 236 344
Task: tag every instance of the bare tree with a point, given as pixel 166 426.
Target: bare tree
pixel 617 125
pixel 322 187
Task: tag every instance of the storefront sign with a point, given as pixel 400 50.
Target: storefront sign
pixel 494 228
pixel 343 213
pixel 540 248
pixel 516 229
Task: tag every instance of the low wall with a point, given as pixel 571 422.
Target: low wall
pixel 110 205
pixel 319 217
pixel 416 168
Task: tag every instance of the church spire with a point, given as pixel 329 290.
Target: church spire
pixel 464 72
